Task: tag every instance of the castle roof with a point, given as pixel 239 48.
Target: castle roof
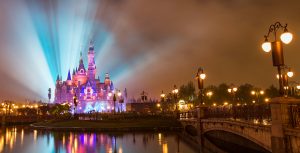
pixel 81 65
pixel 69 76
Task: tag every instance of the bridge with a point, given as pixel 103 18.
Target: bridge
pixel 273 127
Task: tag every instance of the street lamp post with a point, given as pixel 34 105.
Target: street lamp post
pixel 175 93
pixel 162 96
pixel 287 73
pixel 277 49
pixel 200 76
pixel 209 94
pixel 257 93
pixel 232 91
pixel 121 101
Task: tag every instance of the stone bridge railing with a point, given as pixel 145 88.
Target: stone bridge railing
pixel 280 133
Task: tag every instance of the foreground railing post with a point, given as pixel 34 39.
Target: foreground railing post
pixel 281 118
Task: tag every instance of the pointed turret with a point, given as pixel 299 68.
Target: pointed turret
pixel 69 75
pixel 91 47
pixel 112 86
pixel 81 67
pixel 106 76
pixel 57 79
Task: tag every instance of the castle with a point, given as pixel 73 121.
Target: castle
pixel 92 94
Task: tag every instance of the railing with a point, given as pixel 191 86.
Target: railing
pixel 294 113
pixel 245 112
pixel 188 115
pixel 254 113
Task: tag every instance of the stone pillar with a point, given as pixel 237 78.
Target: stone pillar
pixel 200 115
pixel 280 119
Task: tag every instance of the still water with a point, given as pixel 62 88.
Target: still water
pixel 27 140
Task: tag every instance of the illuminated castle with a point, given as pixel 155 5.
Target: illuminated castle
pixel 92 94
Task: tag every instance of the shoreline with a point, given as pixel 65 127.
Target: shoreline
pixel 109 126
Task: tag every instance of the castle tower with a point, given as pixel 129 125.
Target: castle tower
pixel 69 79
pixel 91 62
pixel 107 80
pixel 81 75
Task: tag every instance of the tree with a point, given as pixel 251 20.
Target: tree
pixel 187 92
pixel 222 93
pixel 44 109
pixel 210 93
pixel 243 93
pixel 59 109
pixel 272 92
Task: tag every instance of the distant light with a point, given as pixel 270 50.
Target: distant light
pixel 158 105
pixel 253 101
pixel 234 89
pixel 286 37
pixel 209 93
pixel 202 76
pixel 262 92
pixel 214 104
pixel 181 102
pixel 267 100
pixel 176 90
pixel 225 103
pixel 298 86
pixel 266 46
pixel 252 92
pixel 290 74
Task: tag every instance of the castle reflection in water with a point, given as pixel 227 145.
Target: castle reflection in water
pixel 27 140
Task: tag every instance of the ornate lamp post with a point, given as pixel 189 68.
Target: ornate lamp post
pixel 277 49
pixel 121 100
pixel 162 96
pixel 175 93
pixel 232 91
pixel 209 94
pixel 257 93
pixel 286 74
pixel 200 76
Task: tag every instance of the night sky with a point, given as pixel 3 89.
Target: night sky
pixel 144 44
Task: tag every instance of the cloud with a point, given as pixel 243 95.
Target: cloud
pixel 154 44
pixel 175 37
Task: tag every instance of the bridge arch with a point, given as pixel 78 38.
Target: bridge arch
pixel 254 133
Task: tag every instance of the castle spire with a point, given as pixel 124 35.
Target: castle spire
pixel 69 75
pixel 91 48
pixel 106 76
pixel 57 79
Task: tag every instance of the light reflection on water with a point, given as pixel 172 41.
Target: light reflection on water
pixel 27 140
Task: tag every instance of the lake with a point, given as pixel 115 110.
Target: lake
pixel 21 139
